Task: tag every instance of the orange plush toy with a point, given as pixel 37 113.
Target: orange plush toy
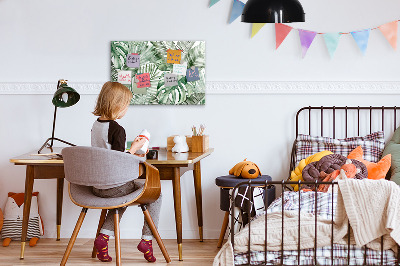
pixel 13 214
pixel 245 169
pixel 375 170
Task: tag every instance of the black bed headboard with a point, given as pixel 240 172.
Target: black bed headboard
pixel 346 112
pixel 344 121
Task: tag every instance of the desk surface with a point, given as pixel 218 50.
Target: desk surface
pixel 164 157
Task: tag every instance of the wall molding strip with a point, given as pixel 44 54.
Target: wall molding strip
pixel 231 87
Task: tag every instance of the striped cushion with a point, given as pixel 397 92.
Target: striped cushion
pixel 372 145
pixel 13 228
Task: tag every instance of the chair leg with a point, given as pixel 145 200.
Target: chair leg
pixel 117 239
pixel 101 222
pixel 73 237
pixel 223 229
pixel 154 230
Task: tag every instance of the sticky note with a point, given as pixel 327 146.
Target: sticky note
pixel 125 77
pixel 192 74
pixel 144 80
pixel 179 69
pixel 170 80
pixel 133 60
pixel 174 56
pixel 136 90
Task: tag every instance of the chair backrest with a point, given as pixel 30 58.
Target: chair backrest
pixel 92 166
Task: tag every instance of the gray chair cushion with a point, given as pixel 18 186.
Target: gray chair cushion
pixel 99 167
pixel 84 196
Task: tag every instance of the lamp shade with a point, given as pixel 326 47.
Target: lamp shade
pixel 273 11
pixel 65 96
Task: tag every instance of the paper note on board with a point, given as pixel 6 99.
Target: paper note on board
pixel 170 80
pixel 133 60
pixel 174 56
pixel 144 80
pixel 125 77
pixel 179 69
pixel 192 74
pixel 136 90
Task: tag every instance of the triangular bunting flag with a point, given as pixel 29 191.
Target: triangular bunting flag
pixel 332 41
pixel 256 28
pixel 213 2
pixel 237 9
pixel 306 39
pixel 281 31
pixel 389 30
pixel 361 38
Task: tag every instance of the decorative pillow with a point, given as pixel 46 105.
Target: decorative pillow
pixel 393 148
pixel 372 144
pixel 375 170
pixel 296 174
pixel 327 165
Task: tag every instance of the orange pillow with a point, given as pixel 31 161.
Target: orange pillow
pixel 375 170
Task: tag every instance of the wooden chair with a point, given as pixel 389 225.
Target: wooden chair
pixel 85 167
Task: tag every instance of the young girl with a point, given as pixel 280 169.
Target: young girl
pixel 112 104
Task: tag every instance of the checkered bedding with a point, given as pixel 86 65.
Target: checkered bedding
pixel 323 207
pixel 372 145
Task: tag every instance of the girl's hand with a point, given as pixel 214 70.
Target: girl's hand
pixel 137 144
pixel 143 155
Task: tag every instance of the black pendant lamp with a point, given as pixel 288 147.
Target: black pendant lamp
pixel 273 11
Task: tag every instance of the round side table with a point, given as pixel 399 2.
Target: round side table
pixel 226 183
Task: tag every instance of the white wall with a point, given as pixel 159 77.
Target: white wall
pixel 43 41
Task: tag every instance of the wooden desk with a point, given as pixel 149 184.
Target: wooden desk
pixel 169 165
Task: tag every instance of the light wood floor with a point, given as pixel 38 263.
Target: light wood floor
pixel 50 252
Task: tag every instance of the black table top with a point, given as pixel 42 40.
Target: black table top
pixel 230 181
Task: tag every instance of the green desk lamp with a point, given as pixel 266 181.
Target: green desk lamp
pixel 65 96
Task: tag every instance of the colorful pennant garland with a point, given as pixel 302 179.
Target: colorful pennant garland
pixel 306 39
pixel 213 2
pixel 332 41
pixel 256 28
pixel 281 31
pixel 361 37
pixel 389 30
pixel 237 9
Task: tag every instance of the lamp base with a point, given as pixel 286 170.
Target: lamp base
pixel 50 146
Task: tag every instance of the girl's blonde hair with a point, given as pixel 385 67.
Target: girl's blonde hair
pixel 112 99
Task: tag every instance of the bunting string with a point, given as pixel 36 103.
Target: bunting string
pixel 361 37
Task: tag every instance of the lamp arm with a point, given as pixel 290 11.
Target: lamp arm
pixel 54 126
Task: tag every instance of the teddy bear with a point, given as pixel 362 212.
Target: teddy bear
pixel 180 144
pixel 13 215
pixel 245 169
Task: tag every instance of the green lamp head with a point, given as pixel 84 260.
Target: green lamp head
pixel 65 96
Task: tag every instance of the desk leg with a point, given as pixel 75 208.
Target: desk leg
pixel 27 206
pixel 60 190
pixel 199 204
pixel 176 182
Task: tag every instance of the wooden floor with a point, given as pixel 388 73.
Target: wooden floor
pixel 50 252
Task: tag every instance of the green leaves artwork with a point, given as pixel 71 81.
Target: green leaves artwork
pixel 150 57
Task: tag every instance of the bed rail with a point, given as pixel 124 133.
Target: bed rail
pixel 265 185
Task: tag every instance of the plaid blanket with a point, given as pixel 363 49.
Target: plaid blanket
pixel 323 205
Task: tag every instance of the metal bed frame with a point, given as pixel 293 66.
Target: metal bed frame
pixel 283 184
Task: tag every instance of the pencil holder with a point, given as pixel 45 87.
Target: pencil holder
pixel 200 143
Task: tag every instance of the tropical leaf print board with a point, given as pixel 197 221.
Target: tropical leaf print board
pixel 161 72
